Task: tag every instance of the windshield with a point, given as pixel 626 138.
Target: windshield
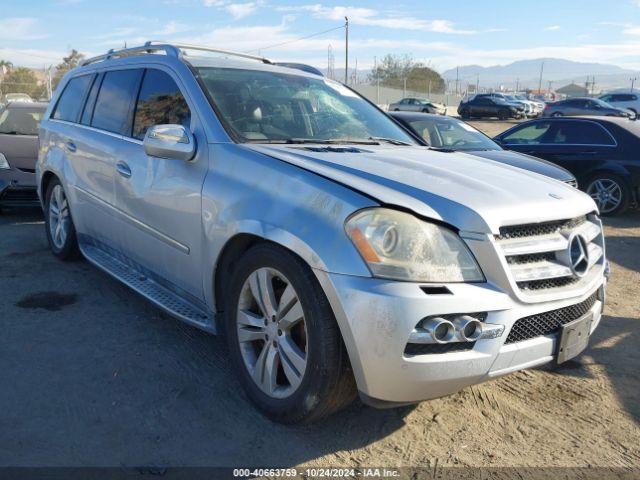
pixel 262 107
pixel 20 121
pixel 452 134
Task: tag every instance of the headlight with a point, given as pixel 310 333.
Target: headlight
pixel 398 245
pixel 4 165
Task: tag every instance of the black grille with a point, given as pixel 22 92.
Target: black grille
pixel 535 229
pixel 548 283
pixel 437 348
pixel 548 323
pixel 19 197
pixel 531 258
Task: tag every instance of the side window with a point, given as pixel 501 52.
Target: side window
pixel 91 101
pixel 72 98
pixel 532 134
pixel 608 98
pixel 114 107
pixel 580 133
pixel 160 101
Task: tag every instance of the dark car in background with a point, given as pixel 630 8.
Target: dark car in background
pixel 481 106
pixel 19 123
pixel 584 106
pixel 451 134
pixel 602 152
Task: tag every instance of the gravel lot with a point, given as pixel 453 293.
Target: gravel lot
pixel 92 375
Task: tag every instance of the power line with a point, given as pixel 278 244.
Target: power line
pixel 20 52
pixel 296 39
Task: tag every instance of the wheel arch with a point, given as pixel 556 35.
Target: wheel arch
pixel 232 252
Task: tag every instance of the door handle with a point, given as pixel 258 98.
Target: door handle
pixel 70 146
pixel 123 169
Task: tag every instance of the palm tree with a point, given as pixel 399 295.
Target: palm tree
pixel 5 64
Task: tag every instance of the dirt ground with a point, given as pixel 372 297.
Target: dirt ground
pixel 93 375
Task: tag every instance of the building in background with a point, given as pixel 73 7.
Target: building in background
pixel 573 90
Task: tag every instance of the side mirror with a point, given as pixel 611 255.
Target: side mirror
pixel 170 141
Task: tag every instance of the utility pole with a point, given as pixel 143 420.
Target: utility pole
pixel 346 50
pixel 633 81
pixel 477 82
pixel 540 81
pixel 517 85
pixel 375 69
pixel 404 87
pixel 457 78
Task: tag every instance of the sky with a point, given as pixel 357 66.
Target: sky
pixel 443 34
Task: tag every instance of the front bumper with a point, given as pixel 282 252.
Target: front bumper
pixel 18 188
pixel 377 316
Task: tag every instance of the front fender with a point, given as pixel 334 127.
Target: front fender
pixel 249 193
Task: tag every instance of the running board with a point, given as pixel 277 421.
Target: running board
pixel 163 297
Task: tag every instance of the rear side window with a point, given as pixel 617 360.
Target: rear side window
pixel 114 106
pixel 580 133
pixel 159 102
pixel 72 98
pixel 91 102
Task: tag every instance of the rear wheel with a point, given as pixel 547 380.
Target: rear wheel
pixel 284 340
pixel 61 232
pixel 464 113
pixel 503 114
pixel 610 192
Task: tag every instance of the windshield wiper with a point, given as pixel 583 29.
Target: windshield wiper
pixel 392 141
pixel 13 132
pixel 441 149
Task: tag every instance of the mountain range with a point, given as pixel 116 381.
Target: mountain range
pixel 526 73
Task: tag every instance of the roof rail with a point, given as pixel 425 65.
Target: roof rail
pixel 173 49
pixel 186 46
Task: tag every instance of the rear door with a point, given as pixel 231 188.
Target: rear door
pixel 98 140
pixel 161 198
pixel 578 145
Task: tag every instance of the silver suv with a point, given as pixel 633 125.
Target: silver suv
pixel 285 211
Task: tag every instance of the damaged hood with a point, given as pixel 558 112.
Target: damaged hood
pixel 471 193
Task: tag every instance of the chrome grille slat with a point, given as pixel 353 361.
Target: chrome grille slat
pixel 539 271
pixel 538 255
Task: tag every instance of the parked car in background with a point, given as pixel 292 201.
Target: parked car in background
pixel 19 152
pixel 532 109
pixel 584 106
pixel 624 100
pixel 481 106
pixel 16 97
pixel 418 105
pixel 451 134
pixel 335 253
pixel 602 153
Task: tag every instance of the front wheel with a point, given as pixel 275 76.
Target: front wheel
pixel 610 193
pixel 61 232
pixel 503 115
pixel 556 115
pixel 284 340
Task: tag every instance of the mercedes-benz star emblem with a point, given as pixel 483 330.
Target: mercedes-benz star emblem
pixel 578 255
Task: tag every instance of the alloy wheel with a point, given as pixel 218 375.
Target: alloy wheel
pixel 607 194
pixel 272 332
pixel 59 217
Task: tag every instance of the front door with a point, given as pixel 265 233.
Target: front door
pixel 161 198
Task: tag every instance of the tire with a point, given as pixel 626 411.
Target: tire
pixel 396 109
pixel 425 110
pixel 605 188
pixel 635 113
pixel 308 392
pixel 557 114
pixel 465 114
pixel 503 115
pixel 61 232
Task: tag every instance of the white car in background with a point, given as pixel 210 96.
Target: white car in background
pixel 625 99
pixel 411 104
